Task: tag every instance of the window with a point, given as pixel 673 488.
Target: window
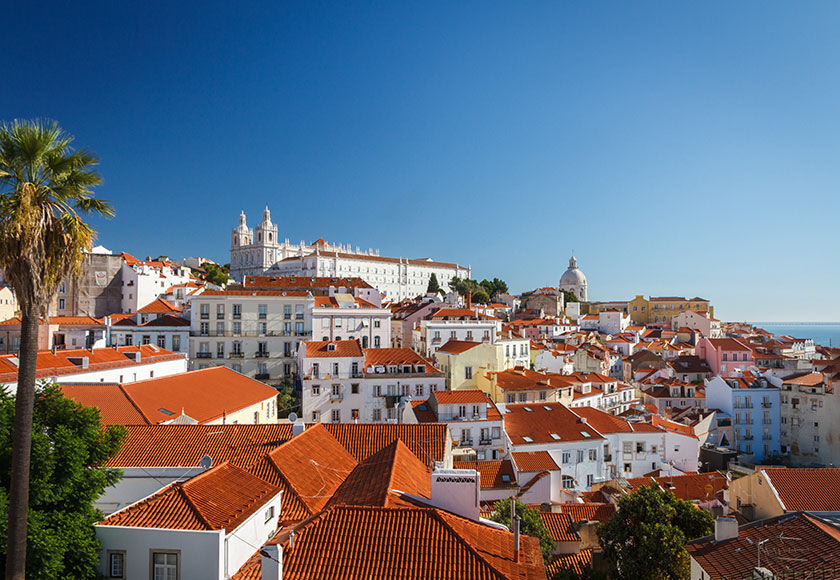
pixel 116 564
pixel 299 311
pixel 580 456
pixel 336 390
pixel 467 372
pixel 316 390
pixel 419 391
pixel 627 468
pixel 161 340
pixel 568 482
pixel 205 311
pixel 567 457
pixel 204 329
pixel 220 310
pixel 220 350
pixel 336 415
pixel 543 395
pixel 262 311
pixel 377 414
pixel 237 328
pixel 377 342
pixel 269 513
pixel 165 565
pixel 593 455
pixel 287 312
pixel 376 323
pixel 61 303
pixel 237 311
pixel 496 432
pixel 590 479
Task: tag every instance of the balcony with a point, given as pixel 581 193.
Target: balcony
pixel 336 397
pixel 262 376
pixel 237 355
pixel 204 355
pixel 484 441
pixel 767 404
pixel 749 437
pixel 261 354
pixel 607 458
pixel 767 437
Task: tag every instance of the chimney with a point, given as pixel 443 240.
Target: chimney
pixel 298 427
pixel 469 300
pixel 271 562
pixel 457 491
pixel 725 529
pixel 516 522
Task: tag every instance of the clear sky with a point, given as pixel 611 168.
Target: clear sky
pixel 678 148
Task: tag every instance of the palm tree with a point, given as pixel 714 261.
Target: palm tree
pixel 44 187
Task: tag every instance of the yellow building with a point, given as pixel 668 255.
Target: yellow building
pixel 656 309
pixel 462 361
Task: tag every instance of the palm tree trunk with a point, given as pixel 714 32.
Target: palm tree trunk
pixel 21 446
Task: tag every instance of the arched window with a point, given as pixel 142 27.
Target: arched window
pixel 269 237
pixel 568 482
pixel 364 342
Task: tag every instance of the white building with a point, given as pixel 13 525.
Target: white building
pixel 342 316
pixel 254 332
pixel 701 321
pixel 124 364
pixel 205 527
pixel 344 383
pixel 454 324
pixel 259 251
pixel 475 423
pixel 613 321
pixel 574 280
pixel 145 281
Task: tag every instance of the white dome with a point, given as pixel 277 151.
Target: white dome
pixel 573 276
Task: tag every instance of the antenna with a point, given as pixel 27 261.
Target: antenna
pixel 293 417
pixel 206 462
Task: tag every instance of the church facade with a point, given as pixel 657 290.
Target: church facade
pixel 258 252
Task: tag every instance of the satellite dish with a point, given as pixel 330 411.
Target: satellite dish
pixel 292 417
pixel 206 462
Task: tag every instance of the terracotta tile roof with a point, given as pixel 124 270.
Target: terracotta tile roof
pixel 458 346
pixel 313 464
pixel 333 348
pixel 60 363
pixel 813 489
pixel 59 320
pixel 290 282
pixel 690 486
pixel 728 344
pixel 423 412
pixel 606 423
pixel 579 562
pixel 115 407
pixel 790 543
pixel 494 474
pixel 396 356
pixel 559 525
pixel 371 483
pixel 185 445
pixel 221 498
pixel 290 293
pixel 455 313
pixel 460 396
pixel 672 426
pixel 539 422
pixel 806 380
pixel 426 441
pixel 364 542
pixel 534 461
pixel 159 306
pixel 522 379
pixel 590 512
pixel 166 320
pixel 204 395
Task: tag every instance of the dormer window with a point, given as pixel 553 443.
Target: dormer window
pixel 331 346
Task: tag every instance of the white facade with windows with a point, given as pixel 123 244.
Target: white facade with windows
pixel 144 282
pixel 434 333
pixel 254 332
pixel 342 383
pixel 259 251
pixel 343 317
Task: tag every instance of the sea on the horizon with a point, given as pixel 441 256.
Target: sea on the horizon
pixel 824 333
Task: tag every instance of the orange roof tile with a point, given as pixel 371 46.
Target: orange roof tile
pixel 204 395
pixel 545 423
pixel 590 512
pixel 333 348
pixel 185 445
pixel 396 356
pixel 458 397
pixel 534 461
pixel 458 346
pixel 559 525
pixel 426 441
pixel 221 498
pixel 493 474
pixel 690 486
pixel 789 544
pixel 159 306
pixel 812 489
pixel 579 562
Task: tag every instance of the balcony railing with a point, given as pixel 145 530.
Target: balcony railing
pixel 204 355
pixel 767 437
pixel 262 376
pixel 261 354
pixel 336 396
pixel 252 333
pixel 484 441
pixel 237 355
pixel 766 404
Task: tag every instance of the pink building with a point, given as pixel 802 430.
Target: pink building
pixel 726 356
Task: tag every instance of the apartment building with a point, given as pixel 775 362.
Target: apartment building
pixel 254 332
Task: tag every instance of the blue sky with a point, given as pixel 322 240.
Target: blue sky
pixel 679 148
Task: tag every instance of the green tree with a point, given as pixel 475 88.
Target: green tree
pixel 646 537
pixel 69 448
pixel 530 525
pixel 216 274
pixel 569 296
pixel 434 285
pixel 287 401
pixel 480 297
pixel 494 287
pixel 44 187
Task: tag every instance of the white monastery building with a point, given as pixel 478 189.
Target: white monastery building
pixel 258 251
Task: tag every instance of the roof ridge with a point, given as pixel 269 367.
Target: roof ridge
pixel 134 404
pixel 437 514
